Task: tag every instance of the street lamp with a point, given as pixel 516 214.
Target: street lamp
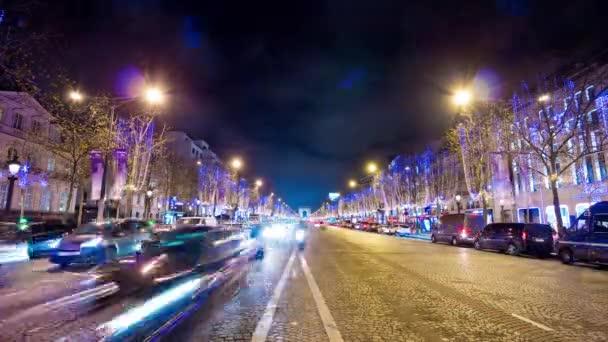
pixel 462 97
pixel 502 209
pixel 236 163
pixel 458 198
pixel 259 183
pixel 75 96
pixel 352 183
pixel 13 169
pixel 154 95
pixel 372 167
pixel 543 98
pixel 199 163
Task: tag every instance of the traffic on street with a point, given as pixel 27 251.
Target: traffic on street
pixel 346 285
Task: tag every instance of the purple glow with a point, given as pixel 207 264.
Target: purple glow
pixel 130 81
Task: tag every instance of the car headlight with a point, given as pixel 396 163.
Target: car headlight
pixel 54 243
pixel 92 243
pixel 300 235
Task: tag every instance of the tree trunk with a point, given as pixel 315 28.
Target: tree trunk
pixel 128 202
pixel 484 205
pixel 80 204
pixel 557 209
pixel 71 189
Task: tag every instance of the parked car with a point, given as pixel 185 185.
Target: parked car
pixel 587 238
pixel 403 230
pixel 457 229
pixel 93 243
pixel 389 230
pixel 516 238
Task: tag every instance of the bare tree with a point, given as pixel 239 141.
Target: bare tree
pixel 560 128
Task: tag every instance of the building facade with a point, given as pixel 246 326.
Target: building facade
pixel 41 188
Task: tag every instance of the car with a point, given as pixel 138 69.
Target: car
pixel 403 230
pixel 515 238
pixel 208 221
pixel 95 243
pixel 190 248
pixel 587 238
pixel 457 229
pixel 44 237
pixel 36 238
pixel 389 230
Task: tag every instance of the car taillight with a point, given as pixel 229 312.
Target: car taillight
pixel 524 236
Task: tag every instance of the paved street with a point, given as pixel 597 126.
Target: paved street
pixel 360 287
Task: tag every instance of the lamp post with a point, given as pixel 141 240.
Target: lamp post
pixel 13 169
pixel 458 198
pixel 148 203
pixel 236 165
pixel 502 209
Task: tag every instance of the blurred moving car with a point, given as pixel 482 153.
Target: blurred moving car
pixel 30 239
pixel 188 249
pixel 516 238
pixel 208 221
pixel 457 229
pixel 94 243
pixel 587 238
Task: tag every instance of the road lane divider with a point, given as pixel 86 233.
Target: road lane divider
pixel 538 325
pixel 263 326
pixel 328 320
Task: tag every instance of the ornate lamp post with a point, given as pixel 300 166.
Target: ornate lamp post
pixel 458 198
pixel 148 204
pixel 13 170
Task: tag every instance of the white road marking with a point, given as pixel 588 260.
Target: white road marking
pixel 261 330
pixel 538 325
pixel 328 321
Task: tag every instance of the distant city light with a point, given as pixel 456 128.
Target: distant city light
pixel 543 98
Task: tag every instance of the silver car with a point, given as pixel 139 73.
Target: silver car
pixel 94 243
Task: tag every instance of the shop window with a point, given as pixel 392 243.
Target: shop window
pixel 550 212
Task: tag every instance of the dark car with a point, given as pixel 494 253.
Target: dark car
pixel 587 238
pixel 516 238
pixel 93 243
pixel 44 237
pixel 34 238
pixel 457 229
pixel 187 249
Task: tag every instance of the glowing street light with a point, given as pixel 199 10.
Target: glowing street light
pixel 352 183
pixel 154 95
pixel 543 98
pixel 259 183
pixel 236 163
pixel 372 167
pixel 75 96
pixel 462 97
pixel 198 162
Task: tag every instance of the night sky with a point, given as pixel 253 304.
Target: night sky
pixel 307 91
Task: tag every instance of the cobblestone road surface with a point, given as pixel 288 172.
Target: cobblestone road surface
pixel 376 288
